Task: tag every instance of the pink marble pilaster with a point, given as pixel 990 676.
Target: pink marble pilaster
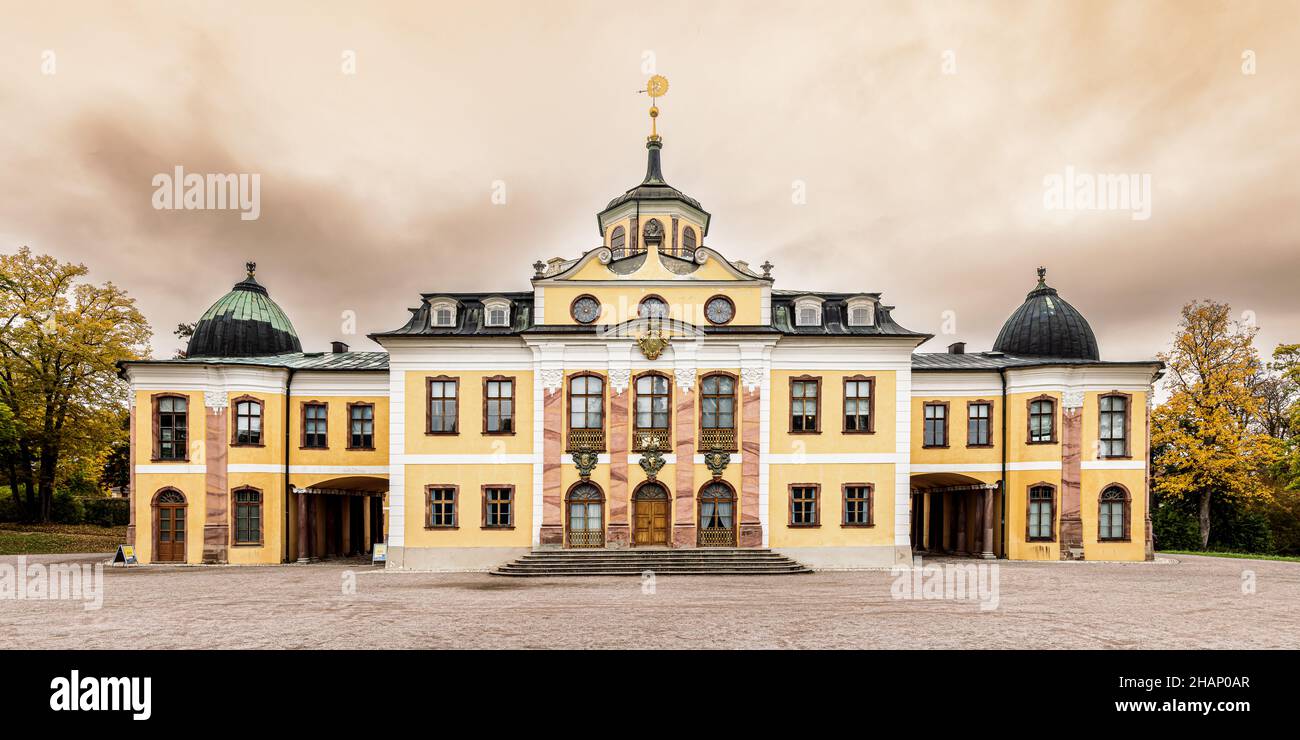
pixel 751 529
pixel 1071 480
pixel 684 504
pixel 552 529
pixel 216 496
pixel 617 533
pixel 130 486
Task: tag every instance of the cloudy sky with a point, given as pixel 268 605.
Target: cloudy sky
pixel 921 135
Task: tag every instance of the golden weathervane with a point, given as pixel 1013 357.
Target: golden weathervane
pixel 655 88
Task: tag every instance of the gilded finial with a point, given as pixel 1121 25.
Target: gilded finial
pixel 655 88
pixel 251 267
pixel 1042 277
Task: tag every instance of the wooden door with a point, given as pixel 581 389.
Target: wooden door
pixel 651 523
pixel 171 533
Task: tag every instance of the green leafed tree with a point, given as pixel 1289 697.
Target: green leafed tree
pixel 61 338
pixel 1208 439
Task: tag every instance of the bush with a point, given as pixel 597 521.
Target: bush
pixel 67 509
pixel 107 512
pixel 1174 529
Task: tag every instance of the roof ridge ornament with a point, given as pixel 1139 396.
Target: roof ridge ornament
pixel 655 87
pixel 251 267
pixel 1042 277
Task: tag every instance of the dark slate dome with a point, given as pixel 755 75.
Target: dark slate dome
pixel 244 323
pixel 1047 326
pixel 653 187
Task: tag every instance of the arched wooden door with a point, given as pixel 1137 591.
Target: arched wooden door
pixel 169 527
pixel 651 519
pixel 584 523
pixel 717 515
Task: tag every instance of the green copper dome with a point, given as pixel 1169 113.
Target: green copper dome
pixel 244 323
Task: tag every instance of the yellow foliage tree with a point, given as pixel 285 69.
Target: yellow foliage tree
pixel 60 341
pixel 1203 433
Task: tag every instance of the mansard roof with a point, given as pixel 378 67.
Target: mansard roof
pixel 331 361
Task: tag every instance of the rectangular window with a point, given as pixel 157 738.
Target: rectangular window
pixel 979 432
pixel 499 406
pixel 718 402
pixel 1042 421
pixel 444 406
pixel 652 402
pixel 857 505
pixel 441 507
pixel 315 426
pixel 361 426
pixel 1114 426
pixel 857 405
pixel 171 424
pixel 248 517
pixel 804 396
pixel 248 422
pixel 498 506
pixel 1042 513
pixel 803 506
pixel 936 425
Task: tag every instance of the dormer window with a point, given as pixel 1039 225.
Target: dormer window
pixel 443 313
pixel 808 311
pixel 496 312
pixel 862 312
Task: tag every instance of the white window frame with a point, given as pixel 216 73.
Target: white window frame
pixel 805 303
pixel 491 305
pixel 442 304
pixel 854 304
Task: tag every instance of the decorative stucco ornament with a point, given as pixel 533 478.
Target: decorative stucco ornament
pixel 552 379
pixel 585 459
pixel 685 377
pixel 716 461
pixel 652 458
pixel 652 343
pixel 216 400
pixel 1072 399
pixel 619 378
pixel 751 377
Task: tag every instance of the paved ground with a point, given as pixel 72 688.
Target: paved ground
pixel 1187 602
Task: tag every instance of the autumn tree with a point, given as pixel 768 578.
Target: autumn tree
pixel 61 338
pixel 1208 442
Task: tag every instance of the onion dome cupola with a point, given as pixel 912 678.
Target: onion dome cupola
pixel 1046 326
pixel 244 323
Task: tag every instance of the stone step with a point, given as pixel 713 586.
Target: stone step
pixel 634 562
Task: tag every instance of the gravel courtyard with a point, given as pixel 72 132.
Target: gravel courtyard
pixel 1183 602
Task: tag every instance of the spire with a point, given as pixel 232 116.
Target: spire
pixel 655 87
pixel 654 174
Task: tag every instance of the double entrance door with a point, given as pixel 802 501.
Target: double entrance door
pixel 650 516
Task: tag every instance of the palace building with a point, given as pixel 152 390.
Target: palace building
pixel 649 393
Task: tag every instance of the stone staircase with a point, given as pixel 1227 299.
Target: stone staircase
pixel 684 562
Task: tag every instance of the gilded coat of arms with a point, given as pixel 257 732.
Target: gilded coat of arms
pixel 585 459
pixel 652 344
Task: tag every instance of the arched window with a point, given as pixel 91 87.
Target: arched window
pixel 586 516
pixel 248 422
pixel 586 413
pixel 1113 514
pixel 248 516
pixel 618 241
pixel 1042 513
pixel 652 411
pixel 717 515
pixel 688 240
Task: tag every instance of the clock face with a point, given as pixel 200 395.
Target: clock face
pixel 654 308
pixel 586 309
pixel 719 310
